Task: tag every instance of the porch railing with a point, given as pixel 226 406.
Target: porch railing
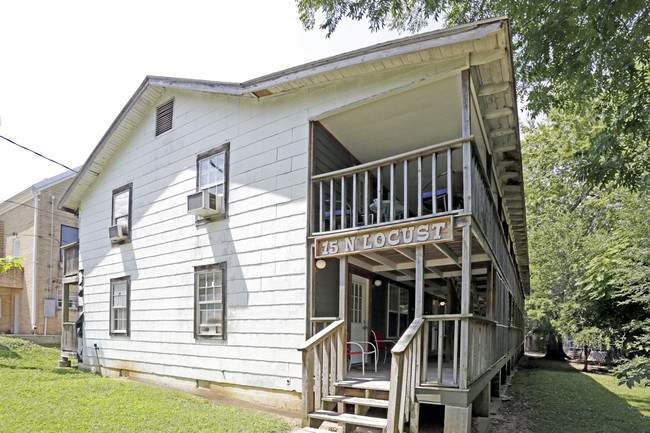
pixel 323 364
pixel 320 323
pixel 441 337
pixel 404 376
pixel 413 184
pixel 70 259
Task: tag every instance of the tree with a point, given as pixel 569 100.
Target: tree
pixel 576 55
pixel 9 262
pixel 589 246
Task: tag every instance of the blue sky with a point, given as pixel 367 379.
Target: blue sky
pixel 68 67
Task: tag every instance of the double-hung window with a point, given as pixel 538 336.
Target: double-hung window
pixel 120 308
pixel 210 301
pixel 212 171
pixel 121 210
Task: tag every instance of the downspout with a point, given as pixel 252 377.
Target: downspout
pixel 49 281
pixel 35 194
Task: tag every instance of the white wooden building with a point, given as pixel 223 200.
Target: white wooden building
pixel 223 226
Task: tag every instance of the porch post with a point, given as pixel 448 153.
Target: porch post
pixel 467 149
pixel 343 289
pixel 419 281
pixel 465 304
pixel 343 315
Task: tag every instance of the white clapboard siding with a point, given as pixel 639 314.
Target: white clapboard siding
pixel 263 240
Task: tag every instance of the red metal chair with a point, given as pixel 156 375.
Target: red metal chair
pixel 363 352
pixel 382 344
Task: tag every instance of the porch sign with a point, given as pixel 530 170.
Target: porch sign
pixel 397 236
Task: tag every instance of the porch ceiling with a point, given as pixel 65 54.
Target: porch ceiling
pixel 406 120
pixel 440 261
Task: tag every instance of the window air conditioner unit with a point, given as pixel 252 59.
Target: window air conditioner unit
pixel 118 233
pixel 206 204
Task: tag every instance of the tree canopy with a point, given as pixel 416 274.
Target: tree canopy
pixel 569 54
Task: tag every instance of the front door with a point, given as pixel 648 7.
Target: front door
pixel 358 314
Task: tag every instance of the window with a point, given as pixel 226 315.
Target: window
pixel 164 117
pixel 398 308
pixel 121 212
pixel 69 235
pixel 16 247
pixel 212 170
pixel 210 301
pixel 120 306
pixel 73 298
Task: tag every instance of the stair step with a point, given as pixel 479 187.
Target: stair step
pixel 377 385
pixel 372 402
pixel 312 430
pixel 347 418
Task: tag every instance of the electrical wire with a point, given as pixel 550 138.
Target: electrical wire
pixel 42 156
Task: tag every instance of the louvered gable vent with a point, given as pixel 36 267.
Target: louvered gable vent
pixel 164 116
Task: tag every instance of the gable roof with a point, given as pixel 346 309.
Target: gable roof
pixel 484 45
pixel 26 194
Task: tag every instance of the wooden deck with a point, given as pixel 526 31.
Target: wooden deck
pixel 380 380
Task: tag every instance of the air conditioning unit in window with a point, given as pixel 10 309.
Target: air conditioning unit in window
pixel 118 233
pixel 205 204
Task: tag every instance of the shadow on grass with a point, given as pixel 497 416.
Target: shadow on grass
pixel 555 396
pixel 61 371
pixel 6 352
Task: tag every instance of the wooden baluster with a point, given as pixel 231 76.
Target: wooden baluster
pixel 425 353
pixel 333 364
pixel 456 352
pixel 321 207
pixel 343 208
pixel 366 198
pixel 434 178
pixel 354 216
pixel 419 188
pixel 450 192
pixel 325 382
pixel 332 206
pixel 380 194
pixel 406 189
pixel 318 375
pixel 441 345
pixel 392 193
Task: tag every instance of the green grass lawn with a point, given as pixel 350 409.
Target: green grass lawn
pixel 35 395
pixel 553 396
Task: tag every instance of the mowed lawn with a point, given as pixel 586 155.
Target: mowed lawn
pixel 36 396
pixel 555 396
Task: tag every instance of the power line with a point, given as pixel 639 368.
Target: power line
pixel 45 157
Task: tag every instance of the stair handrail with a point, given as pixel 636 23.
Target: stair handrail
pixel 323 364
pixel 404 375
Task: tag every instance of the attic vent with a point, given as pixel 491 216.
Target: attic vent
pixel 164 115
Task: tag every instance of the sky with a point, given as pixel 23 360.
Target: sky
pixel 67 68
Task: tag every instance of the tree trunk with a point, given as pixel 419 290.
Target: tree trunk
pixel 554 349
pixel 587 351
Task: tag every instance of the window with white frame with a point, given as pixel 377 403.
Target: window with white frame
pixel 120 306
pixel 73 298
pixel 398 308
pixel 212 170
pixel 210 301
pixel 121 209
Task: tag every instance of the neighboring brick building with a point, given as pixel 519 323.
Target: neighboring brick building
pixel 30 298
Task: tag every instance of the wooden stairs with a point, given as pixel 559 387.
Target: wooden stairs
pixel 355 404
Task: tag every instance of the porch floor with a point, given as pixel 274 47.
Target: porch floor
pixel 381 379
